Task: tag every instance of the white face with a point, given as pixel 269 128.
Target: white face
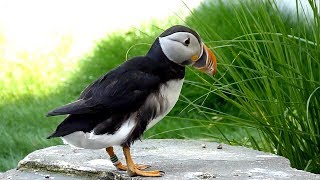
pixel 181 47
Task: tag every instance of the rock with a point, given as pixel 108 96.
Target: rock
pixel 180 159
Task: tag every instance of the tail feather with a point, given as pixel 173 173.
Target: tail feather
pixel 78 122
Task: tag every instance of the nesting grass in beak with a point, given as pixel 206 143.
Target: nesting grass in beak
pixel 207 62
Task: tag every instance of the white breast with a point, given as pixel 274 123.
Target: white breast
pixel 170 92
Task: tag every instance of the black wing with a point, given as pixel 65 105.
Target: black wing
pixel 123 89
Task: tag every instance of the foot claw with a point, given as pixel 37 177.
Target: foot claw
pixel 162 173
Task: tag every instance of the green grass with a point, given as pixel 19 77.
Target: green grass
pixel 265 94
pixel 269 71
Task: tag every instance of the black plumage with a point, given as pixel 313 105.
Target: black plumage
pixel 106 103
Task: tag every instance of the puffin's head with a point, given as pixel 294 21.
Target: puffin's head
pixel 183 46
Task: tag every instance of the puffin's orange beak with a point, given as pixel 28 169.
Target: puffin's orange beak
pixel 207 62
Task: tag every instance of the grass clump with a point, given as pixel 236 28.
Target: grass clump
pixel 269 71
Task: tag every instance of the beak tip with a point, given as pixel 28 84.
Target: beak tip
pixel 212 58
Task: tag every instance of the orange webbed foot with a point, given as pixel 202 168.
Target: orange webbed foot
pixel 133 169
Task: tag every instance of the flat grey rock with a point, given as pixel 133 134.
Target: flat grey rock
pixel 180 159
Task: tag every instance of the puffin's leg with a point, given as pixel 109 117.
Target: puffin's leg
pixel 114 159
pixel 133 170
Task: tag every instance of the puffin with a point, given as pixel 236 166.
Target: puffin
pixel 117 108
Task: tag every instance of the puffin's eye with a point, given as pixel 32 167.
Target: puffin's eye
pixel 187 42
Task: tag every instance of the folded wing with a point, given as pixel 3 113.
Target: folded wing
pixel 117 91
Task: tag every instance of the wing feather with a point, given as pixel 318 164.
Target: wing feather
pixel 112 93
